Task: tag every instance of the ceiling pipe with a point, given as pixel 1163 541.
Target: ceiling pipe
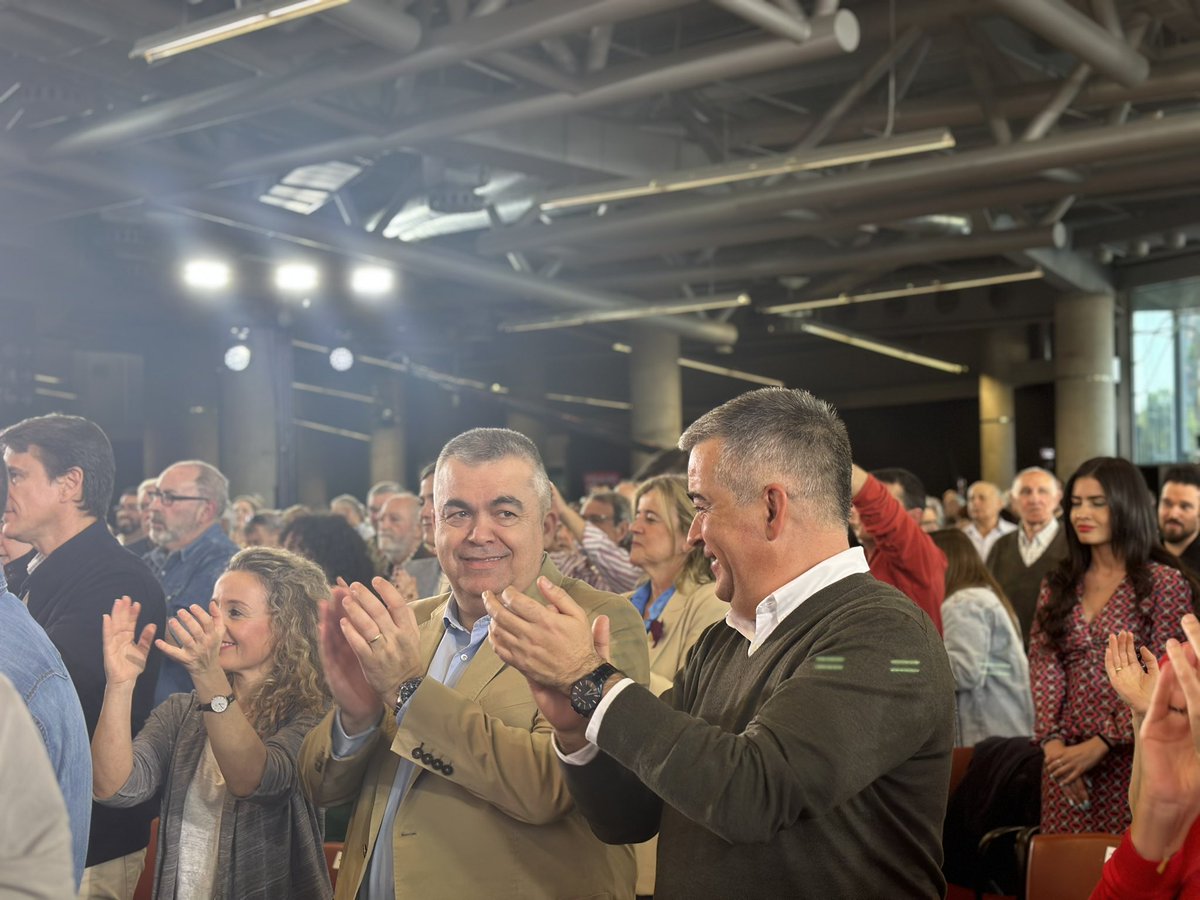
pixel 432 261
pixel 831 35
pixel 1176 79
pixel 1081 146
pixel 474 38
pixel 378 23
pixel 769 18
pixel 1064 26
pixel 847 219
pixel 891 257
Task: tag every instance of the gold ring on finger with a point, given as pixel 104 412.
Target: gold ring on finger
pixel 376 638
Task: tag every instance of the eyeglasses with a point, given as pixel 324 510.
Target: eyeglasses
pixel 597 519
pixel 169 498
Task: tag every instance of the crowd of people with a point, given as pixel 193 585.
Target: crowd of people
pixel 749 664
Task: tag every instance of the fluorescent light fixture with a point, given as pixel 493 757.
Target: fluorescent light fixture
pixel 341 359
pixel 237 358
pixel 213 29
pixel 865 343
pixel 589 401
pixel 910 290
pixel 700 366
pixel 296 277
pixel 372 280
pixel 763 167
pixel 206 274
pixel 660 308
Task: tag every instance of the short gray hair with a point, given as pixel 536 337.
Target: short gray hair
pixel 384 487
pixel 484 445
pixel 210 482
pixel 785 435
pixel 1029 470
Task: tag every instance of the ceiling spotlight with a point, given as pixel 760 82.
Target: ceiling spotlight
pixel 341 359
pixel 372 280
pixel 296 277
pixel 237 358
pixel 206 274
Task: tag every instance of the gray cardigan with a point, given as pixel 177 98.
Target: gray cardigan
pixel 271 843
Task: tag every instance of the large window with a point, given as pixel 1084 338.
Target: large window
pixel 1166 372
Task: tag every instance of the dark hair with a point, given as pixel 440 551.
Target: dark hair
pixel 671 461
pixel 333 544
pixel 1185 474
pixel 622 511
pixel 63 443
pixel 914 490
pixel 1134 540
pixel 427 470
pixel 966 570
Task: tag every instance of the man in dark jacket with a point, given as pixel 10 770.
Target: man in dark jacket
pixel 60 477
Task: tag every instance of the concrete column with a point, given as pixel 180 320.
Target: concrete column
pixel 1002 350
pixel 656 391
pixel 251 401
pixel 1085 400
pixel 388 457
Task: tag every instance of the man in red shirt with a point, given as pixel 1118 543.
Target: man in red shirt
pixel 886 518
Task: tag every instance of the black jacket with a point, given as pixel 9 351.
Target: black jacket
pixel 67 594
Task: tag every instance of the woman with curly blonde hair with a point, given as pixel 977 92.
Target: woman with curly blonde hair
pixel 234 821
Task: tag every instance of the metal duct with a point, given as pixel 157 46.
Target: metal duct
pixel 769 18
pixel 1068 28
pixel 831 35
pixel 892 257
pixel 377 23
pixel 1085 145
pixel 473 38
pixel 434 261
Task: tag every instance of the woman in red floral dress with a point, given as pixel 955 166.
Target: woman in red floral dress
pixel 1116 577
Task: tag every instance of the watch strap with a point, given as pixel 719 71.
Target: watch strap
pixel 407 689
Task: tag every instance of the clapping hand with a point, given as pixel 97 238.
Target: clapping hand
pixel 1123 663
pixel 199 635
pixel 125 653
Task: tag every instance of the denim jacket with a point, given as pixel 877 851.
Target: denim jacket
pixel 37 671
pixel 991 672
pixel 187 577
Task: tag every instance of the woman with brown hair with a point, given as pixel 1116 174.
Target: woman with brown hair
pixel 234 821
pixel 983 641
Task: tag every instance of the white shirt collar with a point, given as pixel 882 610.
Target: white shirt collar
pixel 785 600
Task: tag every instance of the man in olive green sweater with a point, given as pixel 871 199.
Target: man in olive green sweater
pixel 804 750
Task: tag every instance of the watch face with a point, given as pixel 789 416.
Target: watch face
pixel 585 696
pixel 219 704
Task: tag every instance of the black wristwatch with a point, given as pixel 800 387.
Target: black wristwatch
pixel 407 689
pixel 587 691
pixel 218 704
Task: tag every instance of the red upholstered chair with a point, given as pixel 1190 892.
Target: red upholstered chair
pixel 1066 866
pixel 333 859
pixel 145 885
pixel 959 761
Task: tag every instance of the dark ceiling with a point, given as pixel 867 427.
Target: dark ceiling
pixel 434 136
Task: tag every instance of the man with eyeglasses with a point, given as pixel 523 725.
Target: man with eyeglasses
pixel 601 528
pixel 60 483
pixel 185 522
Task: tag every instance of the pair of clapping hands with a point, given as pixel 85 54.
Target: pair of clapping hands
pixel 197 635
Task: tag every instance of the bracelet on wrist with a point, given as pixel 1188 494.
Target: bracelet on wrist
pixel 1107 742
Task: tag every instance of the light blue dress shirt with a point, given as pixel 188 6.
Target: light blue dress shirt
pixel 454 653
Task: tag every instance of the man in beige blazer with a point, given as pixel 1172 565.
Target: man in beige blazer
pixel 457 789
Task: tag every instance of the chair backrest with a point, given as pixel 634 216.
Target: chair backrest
pixel 145 885
pixel 960 759
pixel 333 859
pixel 1066 866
